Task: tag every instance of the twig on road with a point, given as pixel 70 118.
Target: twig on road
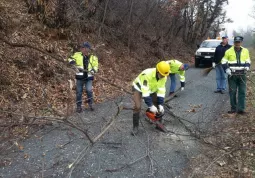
pixel 180 120
pixel 147 155
pixel 108 125
pixel 94 141
pixel 169 98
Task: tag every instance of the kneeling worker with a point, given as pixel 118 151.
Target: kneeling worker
pixel 150 85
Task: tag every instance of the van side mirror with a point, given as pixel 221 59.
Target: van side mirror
pixel 198 46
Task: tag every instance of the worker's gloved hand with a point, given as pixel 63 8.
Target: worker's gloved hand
pixel 228 71
pixel 80 69
pixel 161 109
pixel 182 88
pixel 92 72
pixel 213 64
pixel 247 68
pixel 153 109
pixel 72 62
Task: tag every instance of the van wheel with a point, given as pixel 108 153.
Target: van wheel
pixel 196 62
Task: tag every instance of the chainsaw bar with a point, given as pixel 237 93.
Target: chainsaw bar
pixel 158 124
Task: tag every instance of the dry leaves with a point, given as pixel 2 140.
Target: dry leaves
pixel 193 108
pixel 19 146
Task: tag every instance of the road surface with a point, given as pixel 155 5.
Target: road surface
pixel 49 151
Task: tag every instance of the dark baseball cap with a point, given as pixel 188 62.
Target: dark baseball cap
pixel 238 39
pixel 85 45
pixel 224 37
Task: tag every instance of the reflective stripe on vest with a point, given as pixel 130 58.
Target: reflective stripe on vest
pixel 231 58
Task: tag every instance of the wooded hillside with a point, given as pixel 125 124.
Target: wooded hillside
pixel 128 36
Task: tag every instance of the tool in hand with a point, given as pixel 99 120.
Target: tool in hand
pixel 206 71
pixel 156 119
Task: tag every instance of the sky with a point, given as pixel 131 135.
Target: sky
pixel 238 11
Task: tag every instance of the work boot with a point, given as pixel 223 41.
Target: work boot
pixel 79 109
pixel 134 131
pixel 172 93
pixel 222 91
pixel 231 112
pixel 135 124
pixel 217 91
pixel 91 107
pixel 242 112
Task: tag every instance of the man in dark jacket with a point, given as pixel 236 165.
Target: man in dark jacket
pixel 220 74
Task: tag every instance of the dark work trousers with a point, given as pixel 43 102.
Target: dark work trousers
pixel 137 98
pixel 237 84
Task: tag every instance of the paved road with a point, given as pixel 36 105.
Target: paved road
pixel 51 149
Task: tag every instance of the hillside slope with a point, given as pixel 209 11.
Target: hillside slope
pixel 34 83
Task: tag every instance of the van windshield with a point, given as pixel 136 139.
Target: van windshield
pixel 210 44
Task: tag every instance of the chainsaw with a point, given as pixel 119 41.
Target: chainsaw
pixel 156 119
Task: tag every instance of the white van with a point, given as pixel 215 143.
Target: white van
pixel 205 52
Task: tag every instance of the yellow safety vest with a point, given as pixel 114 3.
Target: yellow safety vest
pixel 175 69
pixel 78 59
pixel 147 83
pixel 231 59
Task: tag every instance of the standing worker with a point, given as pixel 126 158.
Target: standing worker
pixel 236 63
pixel 87 64
pixel 150 85
pixel 220 73
pixel 177 67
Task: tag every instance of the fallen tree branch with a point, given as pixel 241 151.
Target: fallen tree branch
pixel 169 98
pixel 78 159
pixel 70 123
pixel 63 120
pixel 94 141
pixel 58 58
pixel 147 155
pixel 114 85
pixel 108 125
pixel 180 120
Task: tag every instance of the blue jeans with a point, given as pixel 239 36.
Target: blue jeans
pixel 173 82
pixel 79 89
pixel 221 78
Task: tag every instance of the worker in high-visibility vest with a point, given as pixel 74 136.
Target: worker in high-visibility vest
pixel 87 65
pixel 150 85
pixel 236 63
pixel 179 68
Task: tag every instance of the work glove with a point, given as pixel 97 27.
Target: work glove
pixel 247 68
pixel 72 62
pixel 92 71
pixel 153 109
pixel 228 71
pixel 161 109
pixel 182 88
pixel 80 69
pixel 213 64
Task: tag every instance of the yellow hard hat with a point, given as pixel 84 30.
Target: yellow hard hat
pixel 163 68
